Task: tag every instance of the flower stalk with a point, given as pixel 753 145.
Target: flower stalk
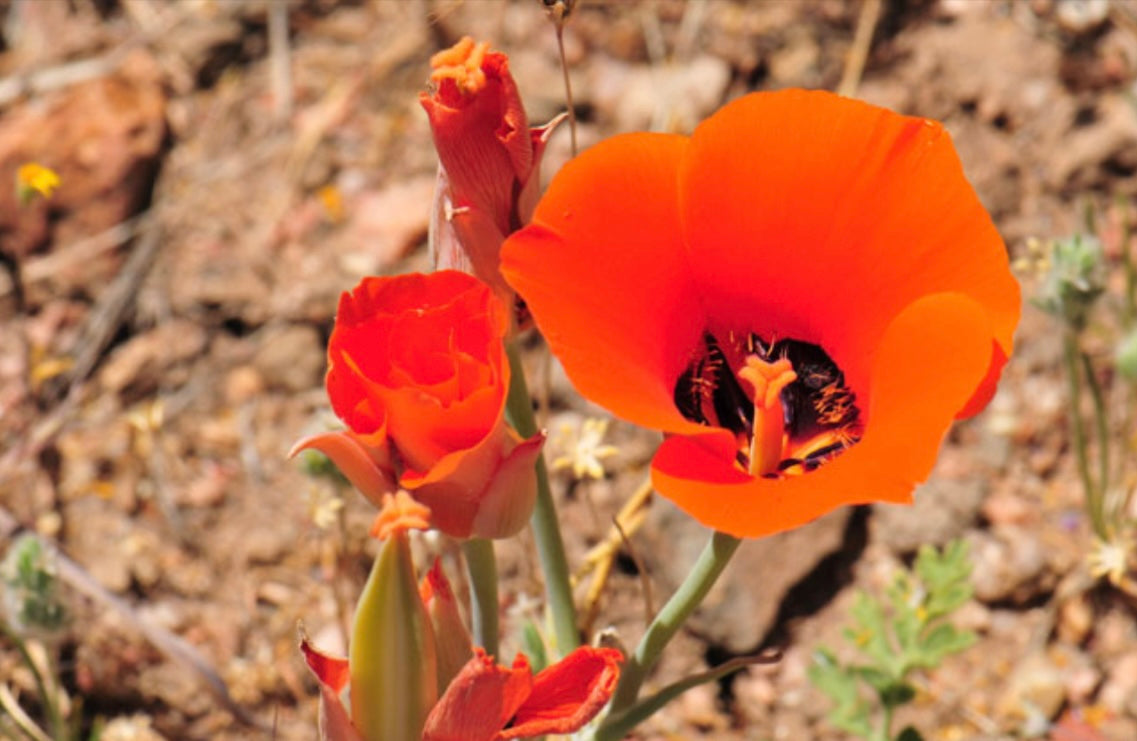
pixel 691 593
pixel 546 531
pixel 1078 364
pixel 481 568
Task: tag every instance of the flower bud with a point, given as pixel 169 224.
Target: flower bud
pixel 489 159
pixel 392 654
pixel 453 646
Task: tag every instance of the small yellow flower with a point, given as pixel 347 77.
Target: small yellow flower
pixel 323 506
pixel 33 178
pixel 331 199
pixel 583 449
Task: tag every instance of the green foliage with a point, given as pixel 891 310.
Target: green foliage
pixel 1072 279
pixel 31 600
pixel 905 631
pixel 534 647
pixel 319 466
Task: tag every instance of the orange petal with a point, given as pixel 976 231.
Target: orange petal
pixel 367 467
pixel 453 647
pixel 480 700
pixel 423 355
pixel 928 364
pixel 507 502
pixel 332 673
pixel 603 270
pixel 453 487
pixel 820 218
pixel 568 694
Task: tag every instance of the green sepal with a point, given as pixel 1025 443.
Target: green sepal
pixel 393 665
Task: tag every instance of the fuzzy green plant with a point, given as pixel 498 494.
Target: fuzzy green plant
pixel 32 609
pixel 906 630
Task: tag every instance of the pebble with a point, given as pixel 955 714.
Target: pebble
pixel 1009 564
pixel 1036 687
pixel 1119 693
pixel 291 359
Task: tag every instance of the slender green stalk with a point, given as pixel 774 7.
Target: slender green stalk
pixel 710 564
pixel 50 701
pixel 481 568
pixel 1101 425
pixel 1130 269
pixel 546 530
pixel 1077 428
pixel 886 723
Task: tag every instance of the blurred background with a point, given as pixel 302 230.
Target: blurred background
pixel 228 167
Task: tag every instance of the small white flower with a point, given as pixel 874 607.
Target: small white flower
pixel 583 449
pixel 323 506
pixel 1110 558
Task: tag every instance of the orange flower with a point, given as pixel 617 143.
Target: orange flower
pixel 413 673
pixel 418 372
pixel 802 296
pixel 488 179
pixel 488 702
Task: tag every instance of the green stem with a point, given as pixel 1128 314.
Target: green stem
pixel 546 530
pixel 1130 269
pixel 50 701
pixel 1077 428
pixel 886 723
pixel 710 564
pixel 481 568
pixel 1101 425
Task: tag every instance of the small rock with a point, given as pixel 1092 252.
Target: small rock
pixel 1009 564
pixel 388 223
pixel 291 359
pixel 1075 619
pixel 130 728
pixel 268 545
pixel 668 98
pixel 1080 16
pixel 1119 693
pixel 1035 688
pixel 740 609
pixel 941 511
pixel 1006 508
pixel 242 384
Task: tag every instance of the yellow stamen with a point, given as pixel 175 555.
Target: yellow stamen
pixel 767 380
pixel 461 63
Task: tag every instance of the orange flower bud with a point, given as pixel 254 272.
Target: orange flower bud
pixel 452 640
pixel 489 159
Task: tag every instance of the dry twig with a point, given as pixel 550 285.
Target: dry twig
pixel 859 53
pixel 173 647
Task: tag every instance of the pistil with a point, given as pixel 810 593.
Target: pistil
pixel 766 380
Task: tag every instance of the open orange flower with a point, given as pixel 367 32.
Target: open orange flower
pixel 418 372
pixel 802 296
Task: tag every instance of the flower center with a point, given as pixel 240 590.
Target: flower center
pixel 786 402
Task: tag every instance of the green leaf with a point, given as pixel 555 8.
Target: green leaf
pixel 897 694
pixel 909 734
pixel 534 647
pixel 832 678
pixel 941 641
